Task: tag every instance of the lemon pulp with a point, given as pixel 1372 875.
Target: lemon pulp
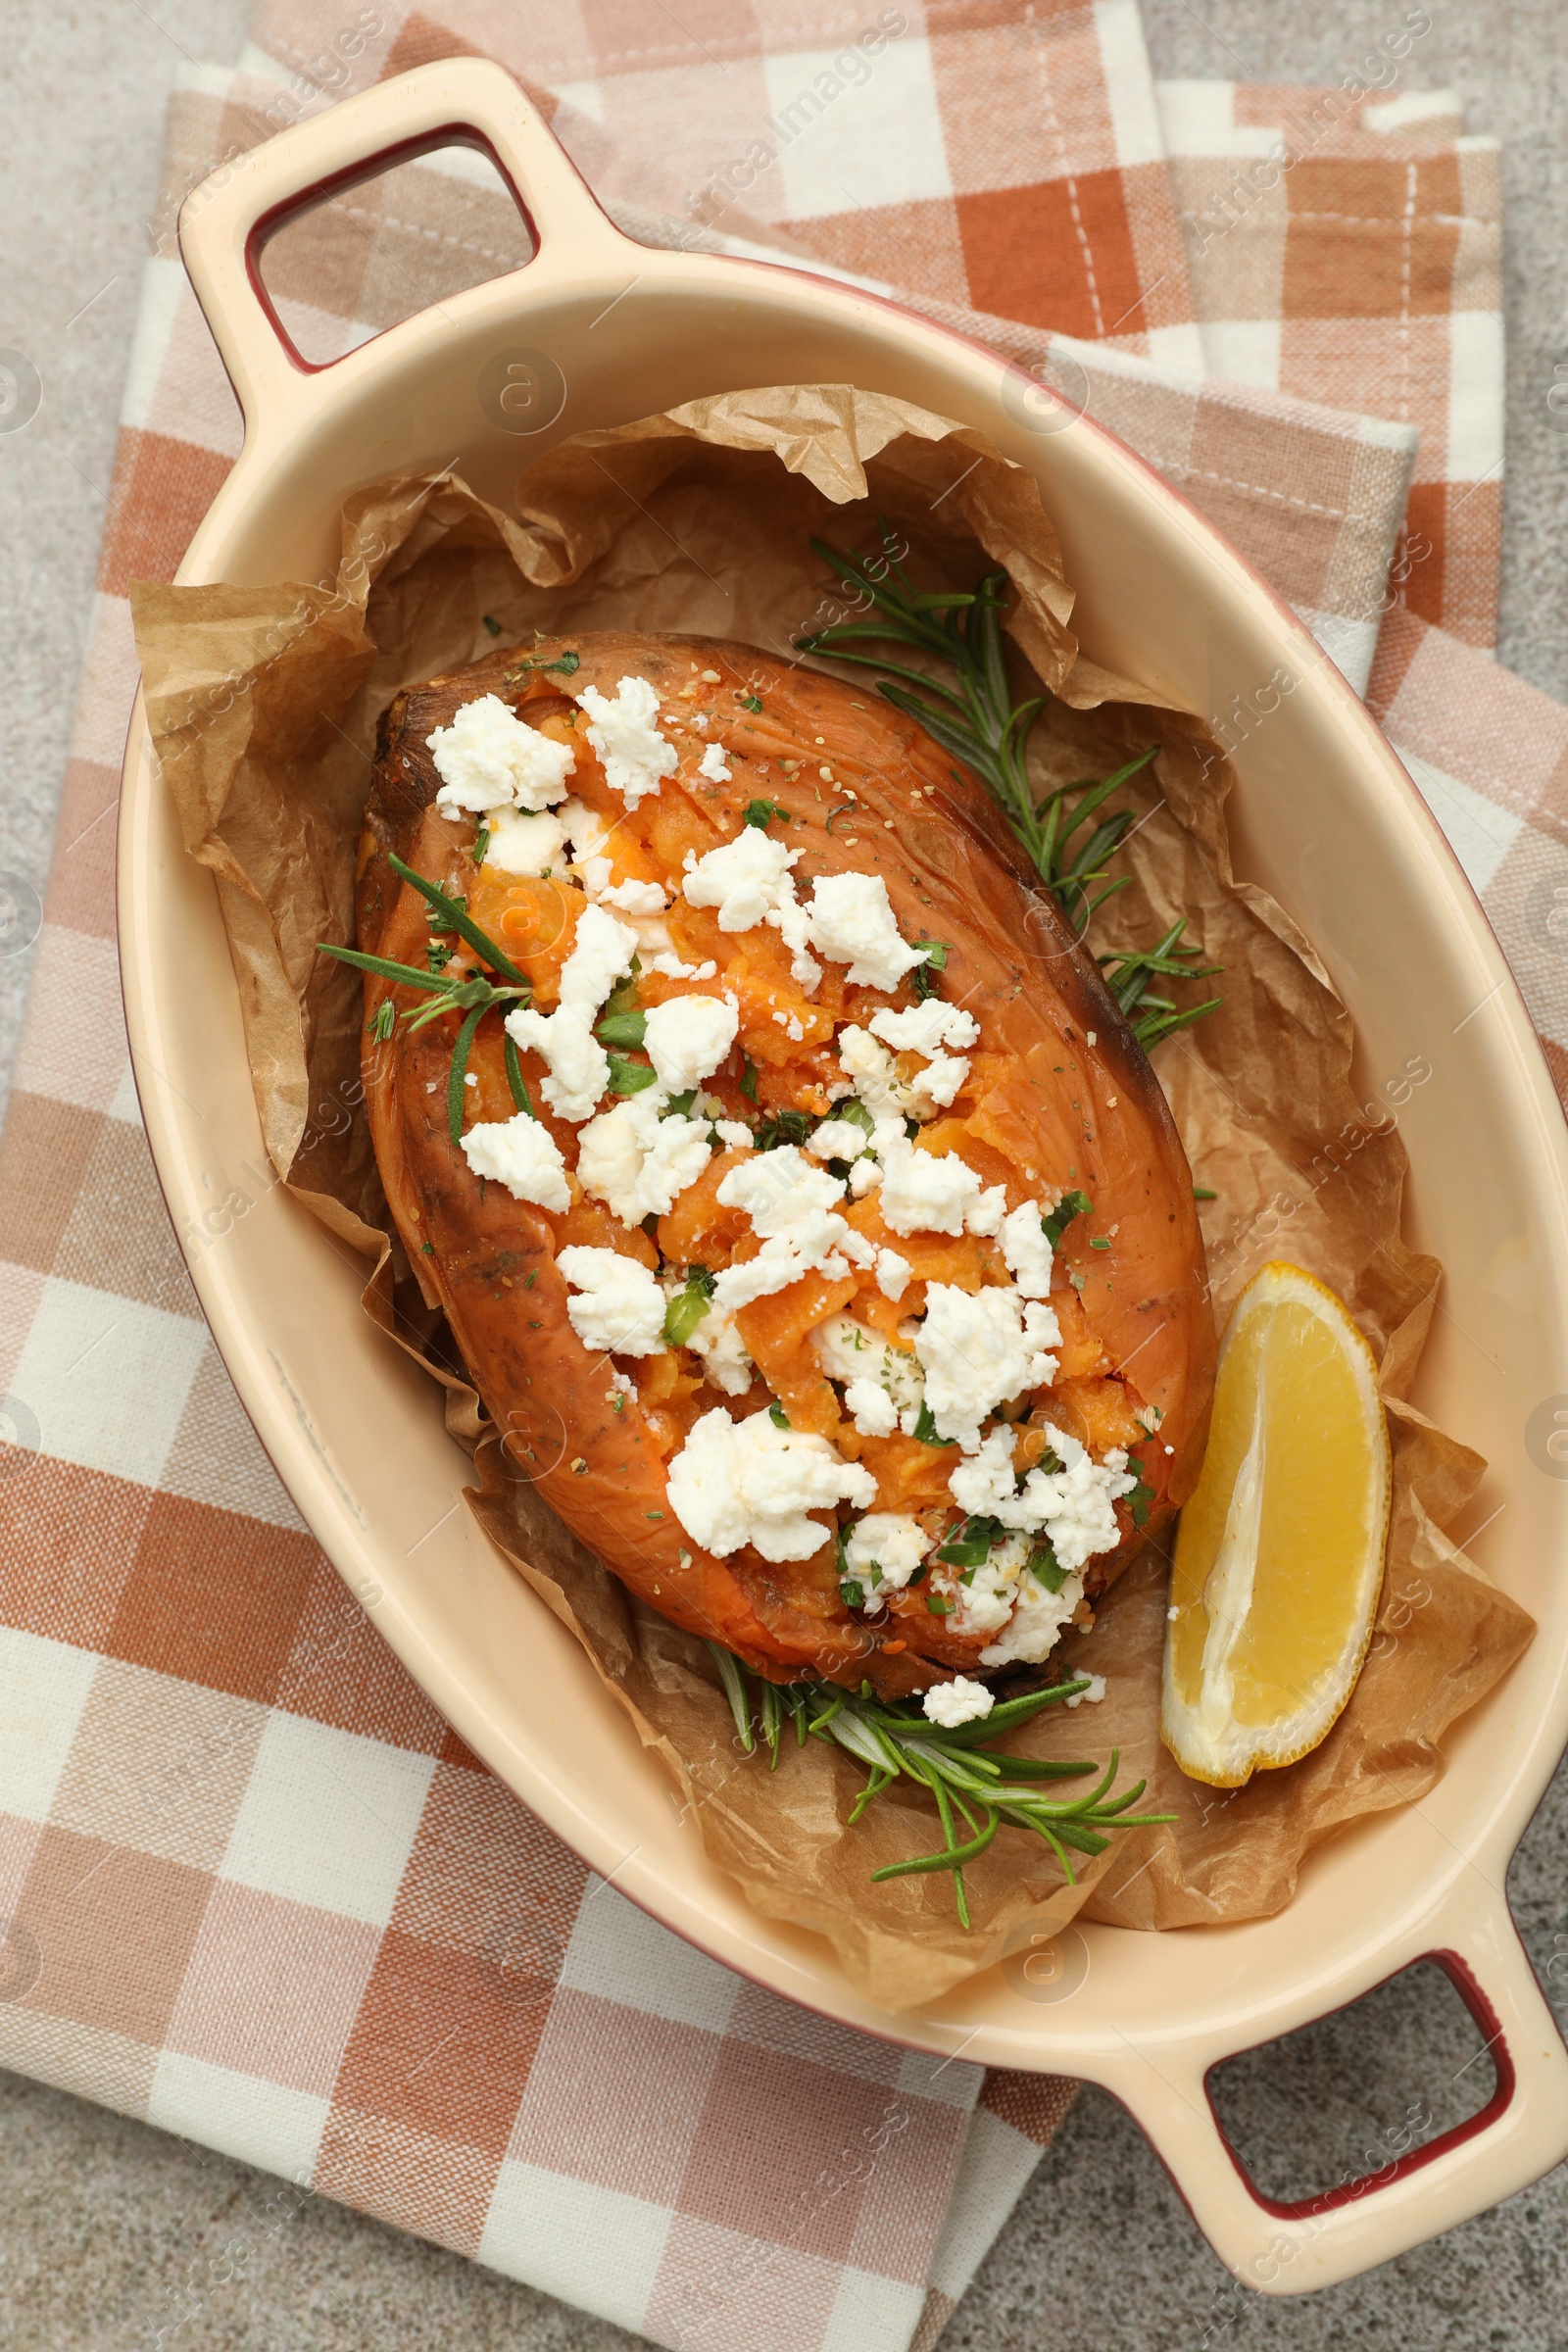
pixel 1279 1555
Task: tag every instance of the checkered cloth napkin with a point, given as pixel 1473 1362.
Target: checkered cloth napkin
pixel 253 1888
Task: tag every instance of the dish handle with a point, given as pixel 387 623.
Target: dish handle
pixel 225 223
pixel 1280 2248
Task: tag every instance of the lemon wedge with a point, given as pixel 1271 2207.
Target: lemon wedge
pixel 1279 1555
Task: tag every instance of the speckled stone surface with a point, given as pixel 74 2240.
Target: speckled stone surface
pixel 110 2231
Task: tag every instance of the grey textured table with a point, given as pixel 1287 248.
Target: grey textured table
pixel 103 2216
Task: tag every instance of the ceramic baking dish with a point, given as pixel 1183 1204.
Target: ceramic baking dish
pixel 1325 818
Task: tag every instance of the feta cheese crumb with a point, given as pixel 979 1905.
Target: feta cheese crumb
pixel 585 830
pixel 852 1351
pixel 1094 1694
pixel 986 1214
pixel 687 1038
pixel 725 1362
pixel 490 758
pixel 1036 1624
pixel 791 1207
pixel 958 1701
pixel 926 1028
pixel 837 1139
pixel 746 878
pixel 522 1154
pixel 638 1162
pixel 671 965
pixel 714 766
pixel 924 1192
pixel 636 758
pixel 735 1483
pixel 616 1303
pixel 1070 1506
pixel 524 842
pixel 578 1066
pixel 891 1274
pixel 870 1408
pixel 634 898
pixel 978 1351
pixel 1027 1250
pixel 736 1133
pixel 852 924
pixel 885 1549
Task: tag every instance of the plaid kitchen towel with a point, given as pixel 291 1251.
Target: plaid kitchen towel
pixel 1349 250
pixel 256 1890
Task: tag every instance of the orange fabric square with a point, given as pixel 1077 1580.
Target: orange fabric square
pixel 338 1670
pixel 746 2175
pixel 486 1877
pixel 67 1539
pixel 575 2118
pixel 441 2046
pixel 115 1929
pixel 212 1597
pixel 44 1150
pixel 81 873
pixel 1058 255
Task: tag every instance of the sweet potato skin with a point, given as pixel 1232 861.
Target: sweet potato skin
pixel 1054 1110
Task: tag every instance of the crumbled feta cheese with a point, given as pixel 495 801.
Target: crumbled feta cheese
pixel 725 1362
pixel 736 1133
pixel 522 841
pixel 852 924
pixel 1094 1694
pixel 852 1351
pixel 958 1701
pixel 1036 1624
pixel 735 1483
pixel 933 1089
pixel 926 1028
pixel 1071 1506
pixel 522 1154
pixel 891 1274
pixel 979 1351
pixel 1027 1250
pixel 578 1063
pixel 596 873
pixel 687 1038
pixel 616 1303
pixel 864 1177
pixel 868 1065
pixel 585 830
pixel 638 1162
pixel 791 1207
pixel 672 967
pixel 634 898
pixel 746 878
pixel 491 758
pixel 837 1139
pixel 885 1549
pixel 601 950
pixel 714 766
pixel 578 1066
pixel 870 1408
pixel 924 1192
pixel 792 923
pixel 986 1600
pixel 636 758
pixel 985 1215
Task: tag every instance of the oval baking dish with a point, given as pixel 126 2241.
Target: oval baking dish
pixel 1324 818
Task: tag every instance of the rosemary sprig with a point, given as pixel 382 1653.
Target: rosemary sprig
pixel 473 994
pixel 893 1739
pixel 1067 836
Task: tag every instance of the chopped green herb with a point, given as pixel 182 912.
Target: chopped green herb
pixel 688 1306
pixel 437 955
pixel 381 1022
pixel 925 1428
pixel 777 1415
pixel 924 978
pixel 427 1249
pixel 569 663
pixel 1098 1241
pixel 939 1604
pixel 623 1028
pixel 970 1545
pixel 529 1280
pixel 748 1078
pixel 760 813
pixel 852 1594
pixel 784 1127
pixel 1202 1192
pixel 514 1078
pixel 680 1104
pixel 481 843
pixel 856 1114
pixel 751 702
pixel 1070 1206
pixel 630 1077
pixel 1142 1495
pixel 1043 1563
pixel 491 623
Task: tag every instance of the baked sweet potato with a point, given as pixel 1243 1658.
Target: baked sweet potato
pixel 759 1286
